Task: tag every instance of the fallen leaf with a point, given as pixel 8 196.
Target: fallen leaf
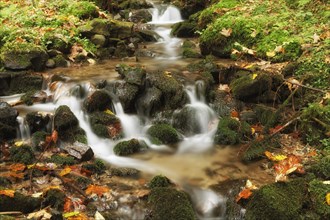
pixel 98 190
pixel 245 194
pixel 234 114
pixel 19 143
pixel 98 216
pixel 327 198
pixel 142 193
pixel 42 214
pixel 17 167
pixel 276 129
pixel 270 54
pixel 109 112
pixel 254 75
pixel 316 38
pixel 67 205
pixel 224 87
pixel 226 32
pixel 70 214
pixel 54 136
pixel 285 167
pixel 274 157
pixel 65 171
pixel 8 192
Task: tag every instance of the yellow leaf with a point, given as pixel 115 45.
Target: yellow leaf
pixel 270 54
pixel 253 130
pixel 70 214
pixel 254 75
pixel 274 157
pixel 327 198
pixel 19 143
pixel 7 192
pixel 109 112
pixel 65 171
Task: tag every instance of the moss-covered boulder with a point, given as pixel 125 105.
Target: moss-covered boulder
pixel 55 198
pixel 133 75
pixel 251 86
pixel 23 56
pixel 231 131
pixel 100 100
pixel 163 134
pixel 169 203
pixel 318 191
pixel 98 166
pixel 58 42
pixel 159 181
pixel 95 26
pixel 190 53
pixel 22 83
pixel 106 125
pixel 20 202
pixel 125 148
pixel 184 29
pixel 38 140
pixel 62 160
pixel 8 121
pixel 278 201
pixel 267 116
pixel 23 154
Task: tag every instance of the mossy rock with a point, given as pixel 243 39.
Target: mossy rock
pixel 169 203
pixel 23 154
pixel 60 61
pixel 120 29
pixel 165 133
pixel 58 42
pixel 7 132
pixel 125 148
pixel 123 171
pixel 256 149
pixel 184 29
pixel 318 191
pixel 322 168
pixel 37 121
pixel 190 53
pixel 38 139
pixel 19 202
pixel 245 87
pixel 278 201
pixel 55 198
pixel 133 75
pixel 97 166
pixel 103 123
pixel 82 9
pixel 8 123
pixel 95 26
pixel 4 182
pixel 231 131
pixel 149 102
pixel 267 116
pixel 62 160
pixel 100 100
pixel 159 181
pixel 64 119
pixel 25 83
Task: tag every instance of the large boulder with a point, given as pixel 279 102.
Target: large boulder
pixel 95 26
pixel 186 120
pixel 140 15
pixel 8 121
pixel 184 29
pixel 163 134
pixel 100 100
pixel 37 121
pixel 149 102
pixel 22 83
pixel 24 56
pixel 106 125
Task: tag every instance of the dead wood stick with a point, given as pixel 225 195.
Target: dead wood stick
pixel 284 126
pixel 11 213
pixel 304 86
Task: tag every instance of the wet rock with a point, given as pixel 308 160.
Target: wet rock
pixel 22 83
pixel 134 4
pixel 95 26
pixel 184 29
pixel 186 120
pixel 123 50
pixel 106 125
pixel 126 93
pixel 55 198
pixel 59 43
pixel 146 35
pixel 160 181
pixel 149 102
pixel 4 82
pixel 8 123
pixel 97 166
pixel 190 53
pixel 37 121
pixel 169 203
pixel 249 116
pixel 38 140
pixel 278 201
pixel 141 15
pixel 64 119
pixel 62 160
pixel 23 154
pixel 163 134
pixel 50 63
pixel 121 29
pixel 132 146
pixel 61 61
pixel 23 57
pixel 99 40
pixel 123 171
pixel 19 202
pixel 81 151
pixel 133 75
pixel 245 87
pixel 267 116
pixel 100 100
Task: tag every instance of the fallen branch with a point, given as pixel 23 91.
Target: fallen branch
pixel 304 86
pixel 11 213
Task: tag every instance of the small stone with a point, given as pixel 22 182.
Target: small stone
pixel 50 63
pixel 99 40
pixel 79 150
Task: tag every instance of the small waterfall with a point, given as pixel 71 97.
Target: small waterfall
pixel 23 131
pixel 164 14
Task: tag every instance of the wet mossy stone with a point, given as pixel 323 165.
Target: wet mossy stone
pixel 159 181
pixel 149 102
pixel 245 87
pixel 97 166
pixel 23 154
pixel 58 42
pixel 103 123
pixel 95 26
pixel 318 191
pixel 322 168
pixel 140 16
pixel 38 139
pixel 184 29
pixel 60 61
pixel 99 40
pixel 23 83
pixel 266 115
pixel 282 200
pixel 121 29
pixel 8 114
pixel 165 133
pixel 100 100
pixel 190 53
pixel 19 202
pixel 7 132
pixel 186 120
pixel 256 149
pixel 37 121
pixel 169 203
pixel 123 171
pixel 125 148
pixel 64 119
pixel 62 160
pixel 133 75
pixel 55 198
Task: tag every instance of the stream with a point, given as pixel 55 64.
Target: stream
pixel 188 165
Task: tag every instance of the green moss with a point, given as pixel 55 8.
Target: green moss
pixel 62 160
pixel 190 53
pixel 100 121
pixel 82 9
pixel 278 201
pixel 38 139
pixel 169 203
pixel 26 83
pixel 19 202
pixel 23 154
pixel 123 171
pixel 97 166
pixel 267 116
pixel 27 98
pixel 318 192
pixel 125 148
pixel 55 198
pixel 159 181
pixel 164 132
pixel 322 168
pixel 64 119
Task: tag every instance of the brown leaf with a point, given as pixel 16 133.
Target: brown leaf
pixel 226 32
pixel 67 205
pixel 8 192
pixel 54 136
pixel 17 167
pixel 245 194
pixel 98 190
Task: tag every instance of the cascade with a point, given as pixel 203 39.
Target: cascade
pixel 23 131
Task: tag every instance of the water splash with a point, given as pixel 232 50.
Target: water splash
pixel 23 131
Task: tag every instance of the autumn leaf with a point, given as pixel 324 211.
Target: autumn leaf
pixel 19 143
pixel 70 214
pixel 327 198
pixel 234 114
pixel 17 167
pixel 245 194
pixel 41 214
pixel 226 32
pixel 270 54
pixel 8 192
pixel 80 216
pixel 274 157
pixel 98 190
pixel 109 112
pixel 54 136
pixel 285 167
pixel 67 205
pixel 254 75
pixel 276 129
pixel 65 171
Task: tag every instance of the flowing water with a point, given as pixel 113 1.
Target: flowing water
pixel 196 156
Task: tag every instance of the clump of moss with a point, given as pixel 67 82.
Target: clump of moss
pixel 27 98
pixel 318 192
pixel 4 182
pixel 55 198
pixel 20 202
pixel 23 154
pixel 132 146
pixel 322 168
pixel 169 203
pixel 97 166
pixel 165 133
pixel 83 182
pixel 123 171
pixel 278 201
pixel 38 139
pixel 231 131
pixel 159 181
pixel 267 116
pixel 256 148
pixel 62 160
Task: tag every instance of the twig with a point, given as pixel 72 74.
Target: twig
pixel 11 213
pixel 307 87
pixel 70 185
pixel 284 126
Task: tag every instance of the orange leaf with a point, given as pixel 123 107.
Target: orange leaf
pixel 234 114
pixel 99 190
pixel 67 205
pixel 55 136
pixel 65 171
pixel 17 167
pixel 245 194
pixel 7 192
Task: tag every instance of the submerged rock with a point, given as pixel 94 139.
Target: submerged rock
pixel 37 121
pixel 186 121
pixel 149 102
pixel 23 82
pixel 184 29
pixel 159 181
